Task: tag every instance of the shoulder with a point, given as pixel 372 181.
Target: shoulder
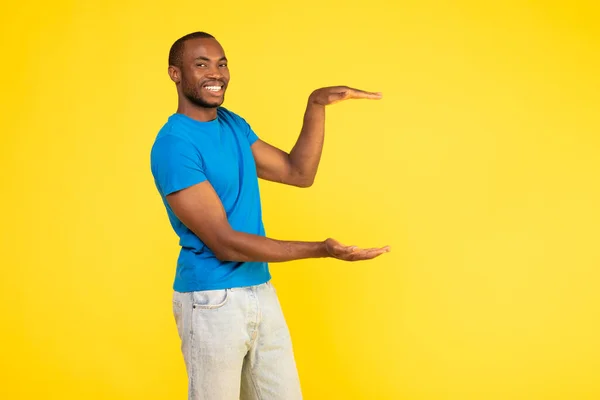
pixel 172 132
pixel 170 142
pixel 231 117
pixel 174 129
pixel 237 124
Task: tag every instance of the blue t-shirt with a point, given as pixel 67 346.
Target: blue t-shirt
pixel 187 152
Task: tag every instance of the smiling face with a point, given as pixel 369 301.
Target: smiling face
pixel 203 75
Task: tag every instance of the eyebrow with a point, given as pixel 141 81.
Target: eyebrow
pixel 208 59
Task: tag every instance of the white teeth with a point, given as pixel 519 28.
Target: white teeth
pixel 214 88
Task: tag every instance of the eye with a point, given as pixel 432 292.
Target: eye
pixel 201 65
pixel 223 65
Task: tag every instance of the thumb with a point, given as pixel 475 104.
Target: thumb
pixel 337 96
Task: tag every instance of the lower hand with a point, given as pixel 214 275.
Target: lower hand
pixel 352 253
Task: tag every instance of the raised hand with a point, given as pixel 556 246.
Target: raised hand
pixel 352 253
pixel 334 94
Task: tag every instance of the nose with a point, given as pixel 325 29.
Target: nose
pixel 215 72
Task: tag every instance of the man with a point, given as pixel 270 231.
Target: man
pixel 205 162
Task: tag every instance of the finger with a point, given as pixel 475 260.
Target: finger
pixel 348 252
pixel 352 249
pixel 369 254
pixel 335 97
pixel 382 250
pixel 354 253
pixel 385 249
pixel 362 94
pixel 344 251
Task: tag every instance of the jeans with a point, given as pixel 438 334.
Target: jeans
pixel 236 344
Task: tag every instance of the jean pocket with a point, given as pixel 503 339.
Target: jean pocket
pixel 210 299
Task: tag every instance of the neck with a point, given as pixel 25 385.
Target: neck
pixel 196 112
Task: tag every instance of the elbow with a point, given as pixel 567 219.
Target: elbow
pixel 305 184
pixel 223 255
pixel 304 181
pixel 226 254
pixel 226 249
pixel 222 248
pixel 300 177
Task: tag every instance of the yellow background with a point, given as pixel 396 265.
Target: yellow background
pixel 479 167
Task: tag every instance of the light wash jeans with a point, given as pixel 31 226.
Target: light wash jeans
pixel 236 344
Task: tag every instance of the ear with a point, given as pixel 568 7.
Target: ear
pixel 175 74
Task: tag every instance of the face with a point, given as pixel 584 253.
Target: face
pixel 204 74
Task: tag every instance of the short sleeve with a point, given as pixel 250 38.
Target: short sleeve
pixel 243 125
pixel 252 137
pixel 175 164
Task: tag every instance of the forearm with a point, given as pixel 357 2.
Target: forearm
pixel 306 154
pixel 239 246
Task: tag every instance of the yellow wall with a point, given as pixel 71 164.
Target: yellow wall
pixel 479 167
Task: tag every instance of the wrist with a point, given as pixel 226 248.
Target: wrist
pixel 322 251
pixel 313 100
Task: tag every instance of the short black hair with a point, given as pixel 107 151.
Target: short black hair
pixel 176 52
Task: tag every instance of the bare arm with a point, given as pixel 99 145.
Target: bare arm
pixel 200 209
pixel 299 167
